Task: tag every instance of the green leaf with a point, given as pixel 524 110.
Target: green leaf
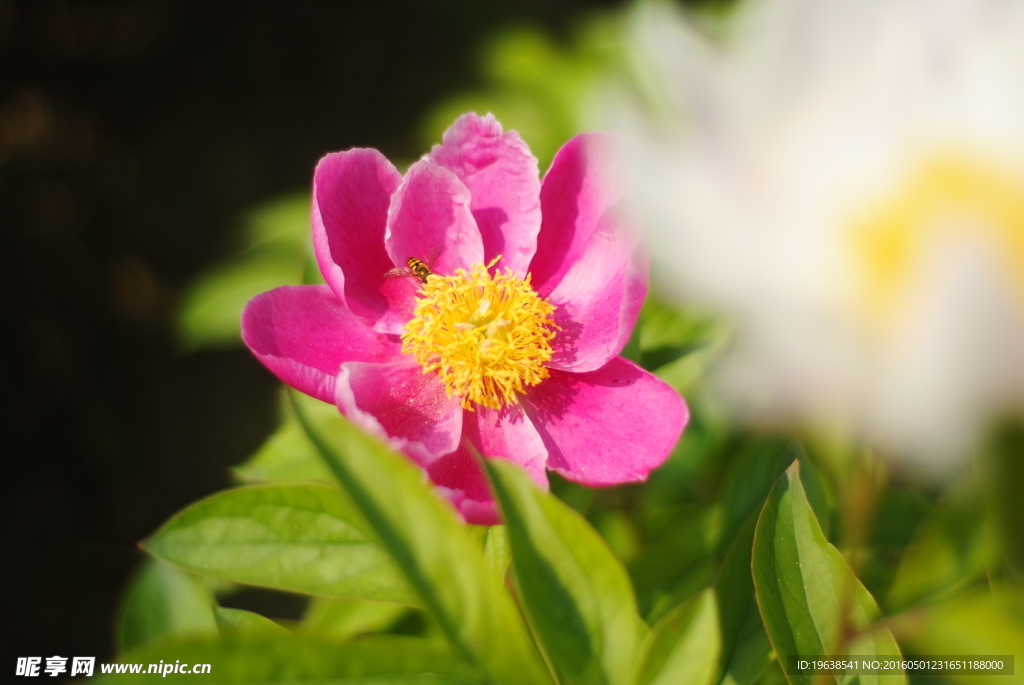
pixel 211 311
pixel 745 646
pixel 280 226
pixel 752 655
pixel 683 646
pixel 619 529
pixel 806 591
pixel 1005 451
pixel 343 619
pixel 575 591
pixel 949 550
pixel 293 658
pixel 816 492
pixel 698 576
pixel 287 455
pixel 772 675
pixel 162 601
pixel 663 326
pixel 675 565
pixel 750 477
pixel 975 623
pixel 577 496
pixel 734 587
pixel 239 620
pixel 679 345
pixel 434 550
pixel 277 237
pixel 302 537
pixel 496 548
pixel 698 453
pixel 669 335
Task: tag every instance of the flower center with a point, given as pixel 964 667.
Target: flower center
pixel 948 201
pixel 487 337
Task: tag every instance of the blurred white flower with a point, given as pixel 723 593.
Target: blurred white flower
pixel 844 178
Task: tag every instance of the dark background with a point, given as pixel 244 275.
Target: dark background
pixel 132 137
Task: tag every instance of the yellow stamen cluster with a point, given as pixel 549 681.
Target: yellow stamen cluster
pixel 488 338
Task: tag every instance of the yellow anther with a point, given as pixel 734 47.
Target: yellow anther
pixel 487 337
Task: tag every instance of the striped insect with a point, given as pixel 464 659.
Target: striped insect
pixel 418 268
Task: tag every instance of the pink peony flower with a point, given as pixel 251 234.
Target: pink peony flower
pixel 469 303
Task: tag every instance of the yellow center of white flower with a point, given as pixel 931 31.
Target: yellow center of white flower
pixel 949 197
pixel 487 337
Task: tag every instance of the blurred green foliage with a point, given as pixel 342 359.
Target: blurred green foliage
pixel 276 251
pixel 536 86
pixel 163 600
pixel 1006 465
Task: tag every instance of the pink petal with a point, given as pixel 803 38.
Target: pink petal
pixel 462 482
pixel 304 333
pixel 598 299
pixel 479 513
pixel 403 405
pixel 607 426
pixel 461 476
pixel 430 219
pixel 507 434
pixel 351 194
pixel 576 192
pixel 502 178
pixel 401 297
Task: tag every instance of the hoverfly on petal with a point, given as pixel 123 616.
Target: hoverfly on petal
pixel 416 268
